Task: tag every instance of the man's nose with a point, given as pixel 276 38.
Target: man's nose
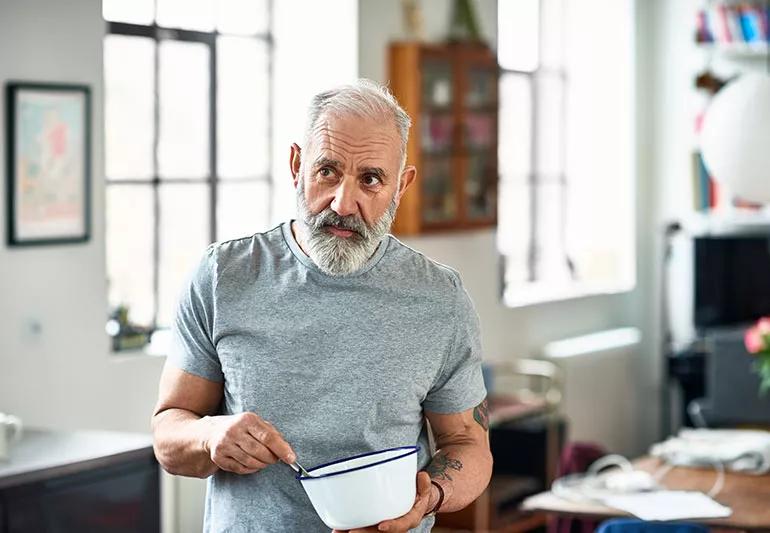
pixel 345 202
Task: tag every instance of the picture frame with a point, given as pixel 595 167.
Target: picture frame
pixel 48 181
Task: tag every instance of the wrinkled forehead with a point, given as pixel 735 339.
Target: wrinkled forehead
pixel 345 136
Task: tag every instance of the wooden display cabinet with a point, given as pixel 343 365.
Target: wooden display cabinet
pixel 450 91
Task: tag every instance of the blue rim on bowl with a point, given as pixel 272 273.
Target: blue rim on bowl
pixel 411 450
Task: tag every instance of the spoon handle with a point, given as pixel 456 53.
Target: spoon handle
pixel 299 469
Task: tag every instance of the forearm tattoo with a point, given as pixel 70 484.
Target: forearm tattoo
pixel 441 464
pixel 481 414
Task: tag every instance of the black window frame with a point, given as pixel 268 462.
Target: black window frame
pixel 536 177
pixel 159 34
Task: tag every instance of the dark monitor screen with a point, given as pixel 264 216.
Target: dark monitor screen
pixel 732 279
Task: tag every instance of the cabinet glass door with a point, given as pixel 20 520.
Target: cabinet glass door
pixel 437 89
pixel 479 137
pixel 439 194
pixel 480 88
pixel 438 140
pixel 480 186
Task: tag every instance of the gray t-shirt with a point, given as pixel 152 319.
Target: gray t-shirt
pixel 340 365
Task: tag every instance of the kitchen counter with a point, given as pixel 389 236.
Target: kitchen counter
pixel 44 454
pixel 95 481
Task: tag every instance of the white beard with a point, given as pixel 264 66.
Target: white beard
pixel 338 256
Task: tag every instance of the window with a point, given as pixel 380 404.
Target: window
pixel 187 145
pixel 566 216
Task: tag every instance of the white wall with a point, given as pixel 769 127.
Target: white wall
pixel 642 307
pixel 523 332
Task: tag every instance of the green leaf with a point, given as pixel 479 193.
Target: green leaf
pixel 762 367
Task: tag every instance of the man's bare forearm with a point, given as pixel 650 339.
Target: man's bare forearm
pixel 463 471
pixel 462 465
pixel 180 443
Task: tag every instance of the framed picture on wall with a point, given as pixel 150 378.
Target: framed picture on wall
pixel 48 154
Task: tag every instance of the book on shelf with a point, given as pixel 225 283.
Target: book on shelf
pixel 751 25
pixel 706 195
pixel 724 23
pixel 709 196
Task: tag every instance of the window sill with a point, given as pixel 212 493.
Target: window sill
pixel 526 295
pixel 158 347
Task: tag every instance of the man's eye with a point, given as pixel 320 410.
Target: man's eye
pixel 326 172
pixel 370 180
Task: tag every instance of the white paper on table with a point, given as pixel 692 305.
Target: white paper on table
pixel 668 505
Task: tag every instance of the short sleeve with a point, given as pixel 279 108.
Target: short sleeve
pixel 459 385
pixel 192 348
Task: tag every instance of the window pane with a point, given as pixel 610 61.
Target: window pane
pixel 550 251
pixel 135 11
pixel 551 125
pixel 243 121
pixel 242 209
pixel 513 215
pixel 129 234
pixel 552 51
pixel 242 16
pixel 186 14
pixel 518 34
pixel 184 234
pixel 515 144
pixel 183 150
pixel 129 78
pixel 515 274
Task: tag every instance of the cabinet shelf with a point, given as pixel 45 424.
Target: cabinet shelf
pixel 759 50
pixel 735 221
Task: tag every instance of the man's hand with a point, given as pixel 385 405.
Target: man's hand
pixel 245 443
pixel 426 498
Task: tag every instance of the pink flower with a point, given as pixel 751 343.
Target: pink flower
pixel 757 341
pixel 753 340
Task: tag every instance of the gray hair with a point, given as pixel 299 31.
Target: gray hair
pixel 364 98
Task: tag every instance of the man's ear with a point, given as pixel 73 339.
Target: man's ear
pixel 408 176
pixel 295 161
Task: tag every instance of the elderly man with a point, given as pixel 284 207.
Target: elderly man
pixel 325 337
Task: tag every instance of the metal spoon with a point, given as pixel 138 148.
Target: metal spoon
pixel 299 469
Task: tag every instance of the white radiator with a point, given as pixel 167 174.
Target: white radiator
pixel 600 393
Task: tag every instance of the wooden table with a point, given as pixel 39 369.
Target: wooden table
pixel 747 495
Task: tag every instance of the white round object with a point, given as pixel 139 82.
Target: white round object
pixel 735 139
pixel 364 490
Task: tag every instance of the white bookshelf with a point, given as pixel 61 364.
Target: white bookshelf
pixel 738 50
pixel 728 222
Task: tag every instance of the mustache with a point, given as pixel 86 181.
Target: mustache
pixel 328 217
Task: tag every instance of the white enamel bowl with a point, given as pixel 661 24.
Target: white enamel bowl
pixel 364 490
